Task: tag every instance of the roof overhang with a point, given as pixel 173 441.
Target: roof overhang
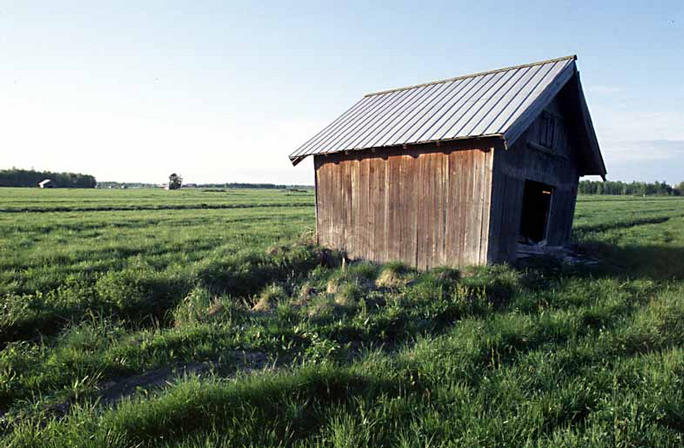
pixel 533 86
pixel 296 159
pixel 478 142
pixel 568 78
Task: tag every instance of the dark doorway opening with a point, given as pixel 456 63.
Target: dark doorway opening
pixel 535 212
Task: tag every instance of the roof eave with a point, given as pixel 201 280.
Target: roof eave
pixel 298 158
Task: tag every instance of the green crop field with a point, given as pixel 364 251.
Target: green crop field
pixel 150 318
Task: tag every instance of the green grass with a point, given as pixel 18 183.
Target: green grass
pixel 281 345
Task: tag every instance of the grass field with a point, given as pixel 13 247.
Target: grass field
pixel 209 318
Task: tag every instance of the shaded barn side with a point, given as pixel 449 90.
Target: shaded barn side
pixel 425 207
pixel 548 152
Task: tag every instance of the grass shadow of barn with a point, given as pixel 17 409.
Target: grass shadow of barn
pixel 653 262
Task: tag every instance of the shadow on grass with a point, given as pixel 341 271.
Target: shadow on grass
pixel 585 229
pixel 659 263
pixel 143 297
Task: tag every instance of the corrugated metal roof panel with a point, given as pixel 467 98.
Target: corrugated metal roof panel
pixel 482 104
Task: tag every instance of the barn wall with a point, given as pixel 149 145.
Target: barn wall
pixel 423 208
pixel 526 160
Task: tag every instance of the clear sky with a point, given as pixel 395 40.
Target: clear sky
pixel 224 91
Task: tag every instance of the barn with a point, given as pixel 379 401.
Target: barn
pixel 464 171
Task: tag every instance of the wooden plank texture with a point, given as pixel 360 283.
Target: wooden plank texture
pixel 556 166
pixel 425 209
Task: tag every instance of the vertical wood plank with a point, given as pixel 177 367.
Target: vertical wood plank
pixel 446 203
pixel 472 243
pixel 429 210
pixel 486 205
pixel 349 214
pixel 431 199
pixel 372 209
pixel 380 209
pixel 455 197
pixel 437 196
pixel 467 170
pixel 428 231
pixel 405 202
pixel 394 224
pixel 355 241
pixel 422 230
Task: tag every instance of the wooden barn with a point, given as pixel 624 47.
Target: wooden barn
pixel 456 172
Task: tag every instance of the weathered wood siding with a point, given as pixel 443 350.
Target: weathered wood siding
pixel 525 160
pixel 423 207
pixel 452 205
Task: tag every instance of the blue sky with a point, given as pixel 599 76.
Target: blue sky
pixel 223 91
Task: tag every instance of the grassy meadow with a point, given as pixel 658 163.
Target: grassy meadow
pixel 150 318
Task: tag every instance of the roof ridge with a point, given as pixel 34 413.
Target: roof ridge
pixel 472 75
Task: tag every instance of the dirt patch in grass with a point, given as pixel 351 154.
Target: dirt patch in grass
pixel 113 391
pixel 116 389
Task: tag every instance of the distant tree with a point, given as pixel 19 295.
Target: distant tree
pixel 175 181
pixel 679 189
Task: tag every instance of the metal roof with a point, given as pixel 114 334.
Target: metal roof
pixel 494 103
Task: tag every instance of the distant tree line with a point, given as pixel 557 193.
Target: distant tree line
pixel 228 185
pixel 29 178
pixel 631 188
pixel 247 185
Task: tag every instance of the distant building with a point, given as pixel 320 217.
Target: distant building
pixel 46 183
pixel 458 172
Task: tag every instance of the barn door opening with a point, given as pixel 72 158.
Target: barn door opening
pixel 535 212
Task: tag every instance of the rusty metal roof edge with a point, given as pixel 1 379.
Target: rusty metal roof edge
pixel 473 75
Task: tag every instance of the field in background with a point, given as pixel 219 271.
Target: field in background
pixel 209 318
pixel 30 199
